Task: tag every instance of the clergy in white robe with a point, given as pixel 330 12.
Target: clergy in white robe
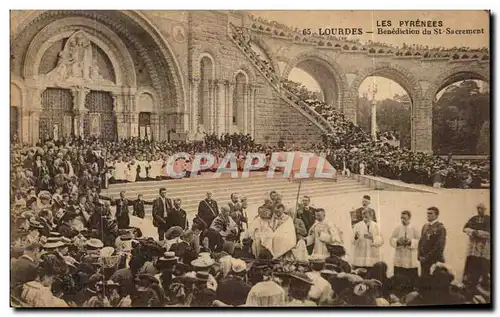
pixel 132 171
pixel 367 242
pixel 143 168
pixel 405 240
pixel 155 168
pixel 321 234
pixel 120 170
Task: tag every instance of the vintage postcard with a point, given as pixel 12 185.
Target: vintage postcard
pixel 249 158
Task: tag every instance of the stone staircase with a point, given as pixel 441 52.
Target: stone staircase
pixel 274 82
pixel 256 188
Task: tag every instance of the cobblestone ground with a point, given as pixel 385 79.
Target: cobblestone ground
pixel 456 207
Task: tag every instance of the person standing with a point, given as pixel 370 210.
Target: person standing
pixel 306 213
pixel 177 216
pixel 139 206
pixel 161 207
pixel 122 213
pixel 405 239
pixel 321 234
pixel 357 215
pixel 432 242
pixel 477 264
pixel 367 242
pixel 208 210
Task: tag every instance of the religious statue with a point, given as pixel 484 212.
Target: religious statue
pixel 76 64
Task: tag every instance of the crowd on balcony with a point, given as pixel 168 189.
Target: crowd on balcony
pixel 423 50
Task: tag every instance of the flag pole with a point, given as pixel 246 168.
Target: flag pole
pixel 298 194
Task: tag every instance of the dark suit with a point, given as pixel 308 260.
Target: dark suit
pixel 431 246
pixel 207 211
pixel 357 215
pixel 122 213
pixel 233 291
pixel 177 217
pixel 307 216
pixel 160 213
pixel 23 270
pixel 139 207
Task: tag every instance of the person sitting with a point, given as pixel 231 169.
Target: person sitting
pixel 225 225
pixel 38 293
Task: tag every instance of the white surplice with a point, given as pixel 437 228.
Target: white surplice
pixel 120 171
pixel 144 165
pixel 366 251
pixel 405 257
pixel 321 234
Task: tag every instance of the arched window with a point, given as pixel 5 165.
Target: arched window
pixel 239 100
pixel 206 71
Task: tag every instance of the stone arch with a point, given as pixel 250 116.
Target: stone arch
pixel 455 74
pixel 135 30
pixel 246 71
pixel 207 74
pixel 240 100
pixel 390 71
pixel 214 58
pixel 146 91
pixel 411 85
pixel 212 61
pixel 446 78
pixel 17 86
pixel 103 37
pixel 330 69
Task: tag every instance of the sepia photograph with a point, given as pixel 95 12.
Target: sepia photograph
pixel 231 158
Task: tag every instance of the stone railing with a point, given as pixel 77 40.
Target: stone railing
pixel 270 75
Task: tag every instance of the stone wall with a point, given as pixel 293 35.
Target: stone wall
pixel 274 118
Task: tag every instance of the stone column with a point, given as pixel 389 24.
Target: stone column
pixel 195 87
pixel 220 110
pixel 422 126
pixel 155 126
pixel 34 119
pixel 244 128
pixel 79 109
pixel 24 125
pixel 374 120
pixel 229 109
pixel 208 111
pixel 33 114
pixel 253 105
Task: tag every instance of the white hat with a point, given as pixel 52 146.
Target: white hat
pixel 238 265
pixel 107 251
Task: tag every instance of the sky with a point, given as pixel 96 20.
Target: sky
pixel 368 21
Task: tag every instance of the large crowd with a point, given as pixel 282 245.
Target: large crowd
pixel 68 248
pixel 352 150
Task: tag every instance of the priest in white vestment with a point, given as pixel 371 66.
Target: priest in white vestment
pixel 143 168
pixel 405 239
pixel 120 170
pixel 132 171
pixel 321 234
pixel 155 167
pixel 367 241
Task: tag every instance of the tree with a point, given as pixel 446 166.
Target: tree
pixel 458 119
pixel 394 115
